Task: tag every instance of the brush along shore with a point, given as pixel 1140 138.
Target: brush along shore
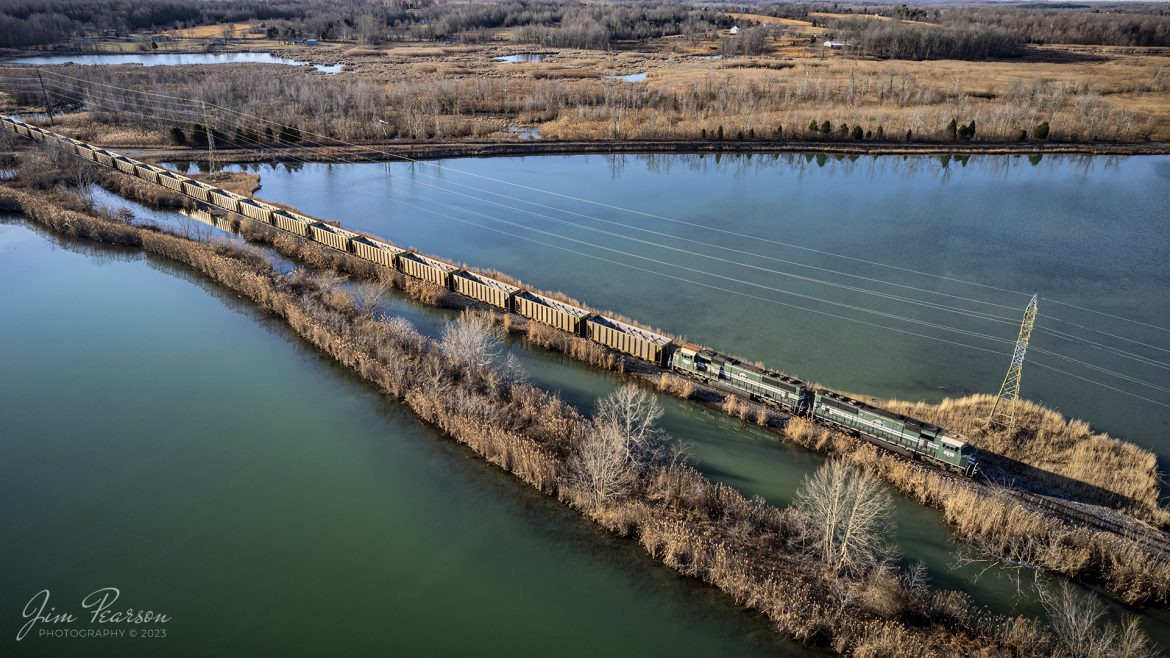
pixel 993 521
pixel 750 550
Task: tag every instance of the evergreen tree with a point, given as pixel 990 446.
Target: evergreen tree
pixel 813 127
pixel 827 127
pixel 952 131
pixel 1040 132
pixel 858 133
pixel 198 135
pixel 289 134
pixel 177 137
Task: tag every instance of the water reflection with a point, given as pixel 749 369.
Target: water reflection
pixel 167 59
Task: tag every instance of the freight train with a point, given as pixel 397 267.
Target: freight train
pixel 889 430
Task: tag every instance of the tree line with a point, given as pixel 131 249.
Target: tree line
pixel 967 32
pixel 897 40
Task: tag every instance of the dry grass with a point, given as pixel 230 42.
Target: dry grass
pixel 460 93
pixel 1002 527
pixel 1068 455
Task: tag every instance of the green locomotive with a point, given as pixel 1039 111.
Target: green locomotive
pixel 894 431
pixel 759 383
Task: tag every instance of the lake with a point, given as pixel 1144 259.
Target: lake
pixel 168 59
pixel 890 276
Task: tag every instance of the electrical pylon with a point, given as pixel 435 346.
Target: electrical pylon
pixel 1003 413
pixel 210 139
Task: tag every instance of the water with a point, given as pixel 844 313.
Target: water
pixel 525 133
pixel 1081 230
pixel 632 77
pixel 163 437
pixel 745 457
pixel 522 58
pixel 168 59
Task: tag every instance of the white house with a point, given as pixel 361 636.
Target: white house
pixel 734 29
pixel 835 44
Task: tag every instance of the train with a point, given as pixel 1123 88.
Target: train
pixel 889 430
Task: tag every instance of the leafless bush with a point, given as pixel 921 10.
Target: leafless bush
pixel 601 465
pixel 1079 622
pixel 367 294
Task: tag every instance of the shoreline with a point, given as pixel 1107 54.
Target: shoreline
pixel 380 151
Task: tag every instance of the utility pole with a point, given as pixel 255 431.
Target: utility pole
pixel 1003 412
pixel 48 107
pixel 210 138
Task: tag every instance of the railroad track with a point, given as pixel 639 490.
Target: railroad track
pixel 1156 542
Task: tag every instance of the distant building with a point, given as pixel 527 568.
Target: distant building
pixel 110 32
pixel 835 44
pixel 310 42
pixel 735 29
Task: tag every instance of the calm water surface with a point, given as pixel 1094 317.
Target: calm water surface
pixel 746 458
pixel 167 59
pixel 162 437
pixel 890 276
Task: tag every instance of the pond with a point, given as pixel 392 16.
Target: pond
pixel 521 58
pixel 168 59
pixel 632 77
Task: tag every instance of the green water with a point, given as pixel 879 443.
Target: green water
pixel 745 457
pixel 162 437
pixel 984 233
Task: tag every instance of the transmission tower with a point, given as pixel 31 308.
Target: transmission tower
pixel 1003 413
pixel 210 139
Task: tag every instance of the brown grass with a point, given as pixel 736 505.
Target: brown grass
pixel 1068 456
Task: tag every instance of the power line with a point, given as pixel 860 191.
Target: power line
pixel 615 207
pixel 778 290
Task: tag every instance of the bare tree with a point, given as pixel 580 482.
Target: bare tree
pixel 625 440
pixel 635 413
pixel 1079 622
pixel 848 517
